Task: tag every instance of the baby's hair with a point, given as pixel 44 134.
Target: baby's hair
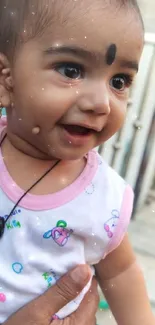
pixel 134 4
pixel 21 20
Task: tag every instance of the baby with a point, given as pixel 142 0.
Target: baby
pixel 65 73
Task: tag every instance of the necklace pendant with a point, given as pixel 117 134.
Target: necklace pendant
pixel 2 226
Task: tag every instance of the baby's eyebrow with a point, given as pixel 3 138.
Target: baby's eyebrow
pixel 73 50
pixel 129 64
pixel 88 55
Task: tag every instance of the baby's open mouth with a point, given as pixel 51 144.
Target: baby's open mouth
pixel 77 130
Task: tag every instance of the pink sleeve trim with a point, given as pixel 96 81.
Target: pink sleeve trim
pixel 125 216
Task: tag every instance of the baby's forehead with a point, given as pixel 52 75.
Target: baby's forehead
pixel 48 15
pixel 100 31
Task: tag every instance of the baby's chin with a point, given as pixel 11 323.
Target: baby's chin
pixel 68 154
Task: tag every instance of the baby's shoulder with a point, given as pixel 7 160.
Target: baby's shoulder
pixel 111 204
pixel 108 179
pixel 111 192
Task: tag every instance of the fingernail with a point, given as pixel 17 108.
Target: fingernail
pixel 81 273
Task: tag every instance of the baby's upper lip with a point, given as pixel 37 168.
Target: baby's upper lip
pixel 84 125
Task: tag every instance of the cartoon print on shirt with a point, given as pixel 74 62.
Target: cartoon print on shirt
pixel 17 268
pixel 50 277
pixel 2 297
pixel 14 213
pixel 60 233
pixel 90 189
pixel 100 162
pixel 13 224
pixel 111 223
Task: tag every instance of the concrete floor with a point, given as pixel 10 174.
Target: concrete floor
pixel 142 235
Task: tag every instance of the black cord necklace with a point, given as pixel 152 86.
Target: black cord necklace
pixel 2 221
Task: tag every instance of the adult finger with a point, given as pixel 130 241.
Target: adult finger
pixel 86 313
pixel 68 287
pixel 64 291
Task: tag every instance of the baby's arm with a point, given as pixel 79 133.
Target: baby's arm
pixel 123 285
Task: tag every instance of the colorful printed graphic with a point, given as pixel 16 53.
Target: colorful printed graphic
pixel 50 277
pixel 2 297
pixel 100 162
pixel 60 233
pixel 17 268
pixel 14 213
pixel 90 189
pixel 110 224
pixel 13 224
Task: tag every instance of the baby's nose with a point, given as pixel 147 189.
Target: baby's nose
pixel 96 98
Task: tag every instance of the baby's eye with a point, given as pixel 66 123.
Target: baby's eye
pixel 121 82
pixel 70 70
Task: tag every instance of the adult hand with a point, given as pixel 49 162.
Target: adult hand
pixel 41 310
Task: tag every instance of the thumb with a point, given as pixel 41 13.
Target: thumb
pixel 41 310
pixel 66 289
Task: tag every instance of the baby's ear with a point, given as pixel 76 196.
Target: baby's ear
pixel 6 82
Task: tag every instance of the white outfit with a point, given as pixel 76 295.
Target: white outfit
pixel 48 235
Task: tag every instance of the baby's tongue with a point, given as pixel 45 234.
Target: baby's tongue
pixel 75 129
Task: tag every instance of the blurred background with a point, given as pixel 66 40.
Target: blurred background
pixel 131 153
pixel 148 11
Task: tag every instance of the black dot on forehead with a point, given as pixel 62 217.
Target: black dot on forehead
pixel 111 54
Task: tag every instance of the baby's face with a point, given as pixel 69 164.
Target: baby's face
pixel 73 82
